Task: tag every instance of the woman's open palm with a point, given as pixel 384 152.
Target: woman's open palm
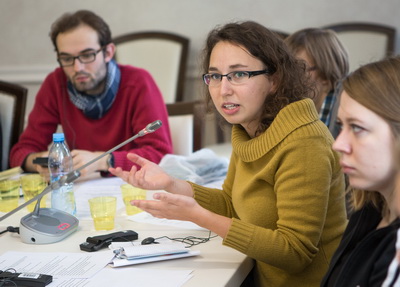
pixel 150 176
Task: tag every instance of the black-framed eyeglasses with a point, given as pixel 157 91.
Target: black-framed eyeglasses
pixel 235 77
pixel 85 58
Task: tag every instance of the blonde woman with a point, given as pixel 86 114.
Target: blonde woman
pixel 370 122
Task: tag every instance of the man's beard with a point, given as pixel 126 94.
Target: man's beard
pixel 90 87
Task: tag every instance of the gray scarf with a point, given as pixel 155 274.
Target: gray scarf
pixel 95 107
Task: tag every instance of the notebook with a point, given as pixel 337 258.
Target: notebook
pixel 128 254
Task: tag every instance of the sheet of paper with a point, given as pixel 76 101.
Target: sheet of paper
pixel 82 270
pixel 145 217
pixel 126 262
pixel 134 276
pixel 64 267
pixel 101 187
pixel 134 248
pixel 149 250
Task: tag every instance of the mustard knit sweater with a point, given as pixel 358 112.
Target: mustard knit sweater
pixel 285 192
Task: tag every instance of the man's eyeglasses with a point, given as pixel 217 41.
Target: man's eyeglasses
pixel 85 58
pixel 235 77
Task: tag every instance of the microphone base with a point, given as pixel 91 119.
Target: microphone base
pixel 48 226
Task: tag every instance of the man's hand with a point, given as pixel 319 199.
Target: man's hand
pixel 29 165
pixel 81 157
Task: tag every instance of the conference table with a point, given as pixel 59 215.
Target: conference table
pixel 217 265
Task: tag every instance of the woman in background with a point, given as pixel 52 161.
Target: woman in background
pixel 327 63
pixel 370 122
pixel 282 202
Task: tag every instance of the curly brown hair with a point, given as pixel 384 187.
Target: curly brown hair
pixel 293 83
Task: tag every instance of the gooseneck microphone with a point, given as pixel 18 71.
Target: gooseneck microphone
pixel 150 128
pixel 49 225
pixel 75 174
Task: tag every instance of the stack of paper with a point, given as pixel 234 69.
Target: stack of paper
pixel 86 269
pixel 128 254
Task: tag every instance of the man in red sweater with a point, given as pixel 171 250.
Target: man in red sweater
pixel 97 102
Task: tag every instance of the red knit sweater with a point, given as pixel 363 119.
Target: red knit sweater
pixel 138 103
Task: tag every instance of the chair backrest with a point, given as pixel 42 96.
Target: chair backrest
pixel 163 54
pixel 186 122
pixel 365 42
pixel 281 34
pixel 12 113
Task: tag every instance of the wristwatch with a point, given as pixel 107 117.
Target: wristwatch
pixel 110 160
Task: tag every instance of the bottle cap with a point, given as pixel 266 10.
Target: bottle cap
pixel 59 137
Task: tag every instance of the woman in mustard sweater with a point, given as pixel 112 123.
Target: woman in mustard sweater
pixel 282 202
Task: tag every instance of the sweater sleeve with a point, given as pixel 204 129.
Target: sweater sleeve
pixel 302 174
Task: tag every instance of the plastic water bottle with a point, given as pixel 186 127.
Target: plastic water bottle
pixel 60 163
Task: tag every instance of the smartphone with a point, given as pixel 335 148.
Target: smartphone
pixel 42 161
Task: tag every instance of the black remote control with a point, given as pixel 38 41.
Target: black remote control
pixel 43 161
pixel 25 279
pixel 102 241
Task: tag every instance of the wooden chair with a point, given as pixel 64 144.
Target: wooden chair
pixel 365 42
pixel 12 113
pixel 186 122
pixel 163 54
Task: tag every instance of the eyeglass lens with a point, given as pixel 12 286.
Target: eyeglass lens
pixel 235 77
pixel 83 58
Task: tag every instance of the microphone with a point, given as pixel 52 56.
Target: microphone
pixel 52 225
pixel 150 128
pixel 75 174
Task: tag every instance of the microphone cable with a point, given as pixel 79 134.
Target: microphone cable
pixel 190 240
pixel 4 281
pixel 10 229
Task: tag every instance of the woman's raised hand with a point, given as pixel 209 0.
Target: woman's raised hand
pixel 150 176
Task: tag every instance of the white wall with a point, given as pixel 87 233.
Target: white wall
pixel 26 52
